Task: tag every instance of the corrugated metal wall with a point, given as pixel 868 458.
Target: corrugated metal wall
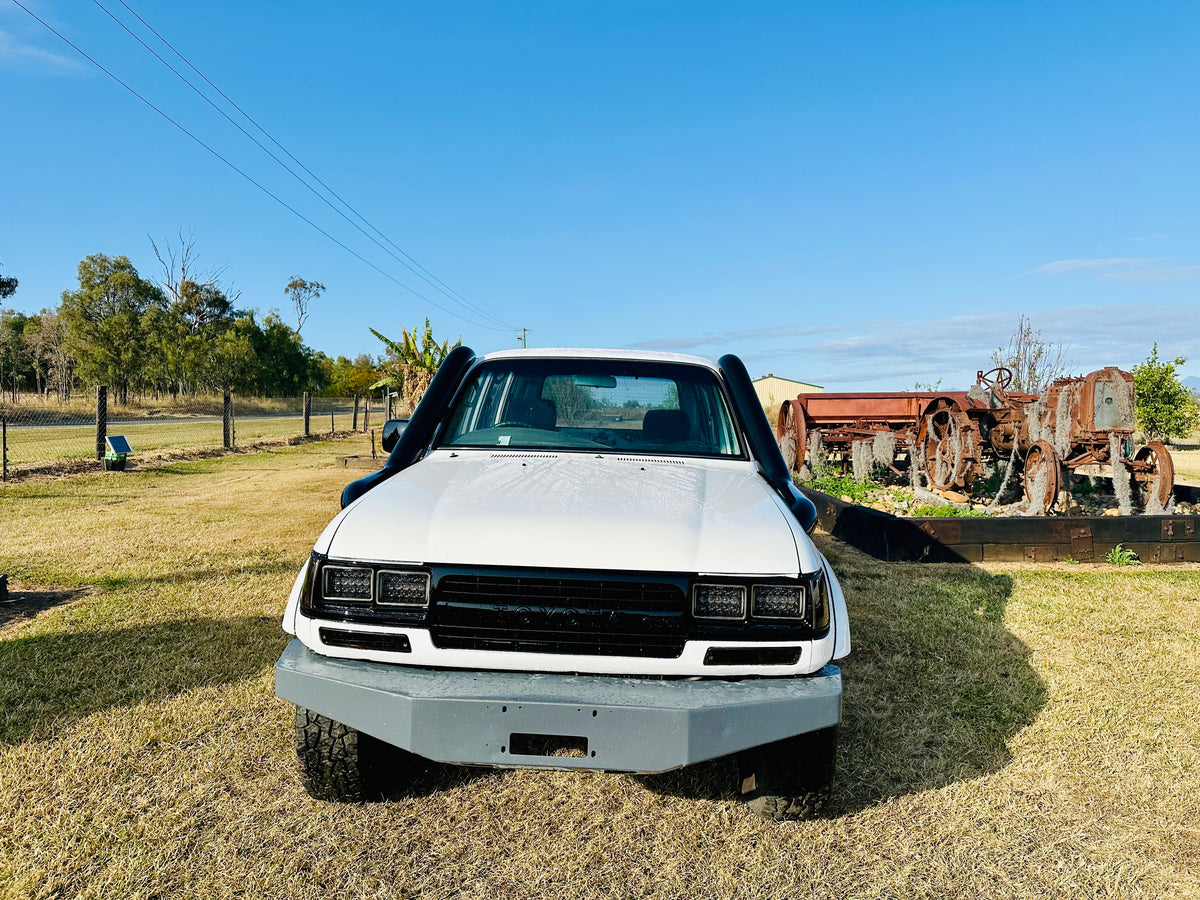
pixel 773 390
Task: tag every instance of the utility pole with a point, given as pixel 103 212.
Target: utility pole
pixel 523 332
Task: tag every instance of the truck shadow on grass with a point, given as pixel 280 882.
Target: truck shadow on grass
pixel 935 686
pixel 48 681
pixel 24 605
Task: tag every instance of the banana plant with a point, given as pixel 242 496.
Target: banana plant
pixel 413 360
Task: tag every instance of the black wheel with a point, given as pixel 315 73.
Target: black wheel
pixel 792 778
pixel 339 763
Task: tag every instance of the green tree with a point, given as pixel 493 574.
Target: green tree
pixel 412 362
pixel 193 347
pixel 8 286
pixel 14 357
pixel 572 401
pixel 1165 409
pixel 234 359
pixel 671 401
pixel 349 378
pixel 187 334
pixel 104 321
pixel 283 360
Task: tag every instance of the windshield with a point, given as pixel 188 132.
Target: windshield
pixel 570 404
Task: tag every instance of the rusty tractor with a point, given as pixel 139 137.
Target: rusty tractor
pixel 954 437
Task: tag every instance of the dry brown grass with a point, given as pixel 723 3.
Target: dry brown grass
pixel 81 408
pixel 1186 456
pixel 1010 731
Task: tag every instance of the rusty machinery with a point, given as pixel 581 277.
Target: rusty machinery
pixel 953 436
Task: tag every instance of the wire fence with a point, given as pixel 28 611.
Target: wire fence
pixel 41 435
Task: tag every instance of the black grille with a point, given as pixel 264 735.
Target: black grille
pixel 538 614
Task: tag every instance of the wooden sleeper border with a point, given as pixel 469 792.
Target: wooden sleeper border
pixel 1085 539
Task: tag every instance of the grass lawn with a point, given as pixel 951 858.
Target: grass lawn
pixel 1010 731
pixel 1186 457
pixel 32 444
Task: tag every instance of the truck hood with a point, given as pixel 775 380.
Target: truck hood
pixel 574 511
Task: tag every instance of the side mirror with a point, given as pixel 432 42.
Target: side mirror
pixel 392 429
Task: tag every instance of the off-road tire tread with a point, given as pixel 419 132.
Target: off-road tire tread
pixel 793 777
pixel 331 762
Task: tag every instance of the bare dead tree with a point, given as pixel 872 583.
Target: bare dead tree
pixel 179 264
pixel 1034 361
pixel 51 356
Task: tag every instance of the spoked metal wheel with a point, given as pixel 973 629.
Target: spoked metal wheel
pixel 949 448
pixel 790 423
pixel 1043 475
pixel 1154 478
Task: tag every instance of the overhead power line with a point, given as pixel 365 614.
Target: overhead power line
pixel 408 262
pixel 242 173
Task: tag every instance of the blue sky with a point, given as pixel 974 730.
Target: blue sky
pixel 860 195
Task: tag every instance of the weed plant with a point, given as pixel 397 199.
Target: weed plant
pixel 842 486
pixel 1122 556
pixel 947 512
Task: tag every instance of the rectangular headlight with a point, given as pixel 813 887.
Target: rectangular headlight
pixel 777 601
pixel 719 601
pixel 346 582
pixel 820 601
pixel 403 589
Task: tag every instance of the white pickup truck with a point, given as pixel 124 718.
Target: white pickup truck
pixel 572 559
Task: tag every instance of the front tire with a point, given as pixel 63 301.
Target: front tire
pixel 789 779
pixel 338 762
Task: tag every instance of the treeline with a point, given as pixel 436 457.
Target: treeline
pixel 144 340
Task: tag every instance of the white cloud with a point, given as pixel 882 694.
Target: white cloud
pixel 1084 265
pixel 891 354
pixel 1175 273
pixel 728 337
pixel 17 54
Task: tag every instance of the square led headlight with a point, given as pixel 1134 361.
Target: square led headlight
pixel 719 601
pixel 403 589
pixel 777 601
pixel 346 583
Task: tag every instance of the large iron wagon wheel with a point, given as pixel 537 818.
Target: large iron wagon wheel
pixel 1043 475
pixel 945 438
pixel 791 419
pixel 1156 480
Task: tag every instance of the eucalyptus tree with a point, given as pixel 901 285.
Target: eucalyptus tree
pixel 104 321
pixel 302 293
pixel 8 286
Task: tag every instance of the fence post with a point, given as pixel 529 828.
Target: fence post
pixel 101 420
pixel 4 447
pixel 367 415
pixel 355 426
pixel 227 421
pixel 331 428
pixel 307 412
